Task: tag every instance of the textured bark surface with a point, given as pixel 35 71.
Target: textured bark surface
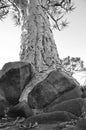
pixel 38 46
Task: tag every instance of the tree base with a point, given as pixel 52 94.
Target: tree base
pixel 37 78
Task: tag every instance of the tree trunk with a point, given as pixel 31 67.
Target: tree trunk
pixel 38 46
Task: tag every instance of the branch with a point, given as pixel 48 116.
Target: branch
pixel 55 3
pixel 51 17
pixel 16 9
pixel 54 20
pixel 5 6
pixel 4 9
pixel 59 18
pixel 14 5
pixel 4 14
pixel 63 4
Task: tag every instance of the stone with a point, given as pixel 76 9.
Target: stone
pixel 2 109
pixel 81 124
pixel 41 95
pixel 83 92
pixel 13 77
pixel 52 117
pixel 20 110
pixel 12 128
pixel 74 106
pixel 3 104
pixel 2 95
pixel 55 85
pixel 72 94
pixel 71 128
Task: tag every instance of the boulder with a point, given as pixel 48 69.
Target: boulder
pixel 55 85
pixel 81 124
pixel 3 104
pixel 52 117
pixel 13 77
pixel 72 94
pixel 20 110
pixel 2 109
pixel 2 95
pixel 74 106
pixel 71 127
pixel 41 95
pixel 83 92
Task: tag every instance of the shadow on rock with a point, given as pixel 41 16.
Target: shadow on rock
pixel 13 78
pixel 20 110
pixel 73 106
pixel 52 117
pixel 58 85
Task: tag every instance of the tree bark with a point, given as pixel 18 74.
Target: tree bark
pixel 38 45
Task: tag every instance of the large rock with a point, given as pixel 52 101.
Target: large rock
pixel 74 106
pixel 20 110
pixel 55 85
pixel 2 109
pixel 81 124
pixel 13 77
pixel 3 104
pixel 72 94
pixel 52 117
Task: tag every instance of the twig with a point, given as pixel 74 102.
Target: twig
pixel 14 5
pixel 5 6
pixel 54 20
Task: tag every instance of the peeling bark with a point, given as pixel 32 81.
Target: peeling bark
pixel 38 46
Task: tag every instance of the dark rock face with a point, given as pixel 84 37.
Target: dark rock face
pixel 2 95
pixel 54 86
pixel 20 110
pixel 41 95
pixel 72 94
pixel 13 77
pixel 3 103
pixel 73 106
pixel 52 117
pixel 81 124
pixel 83 92
pixel 2 109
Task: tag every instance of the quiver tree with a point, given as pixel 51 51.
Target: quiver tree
pixel 37 44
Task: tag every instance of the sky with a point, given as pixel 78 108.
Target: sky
pixel 71 41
